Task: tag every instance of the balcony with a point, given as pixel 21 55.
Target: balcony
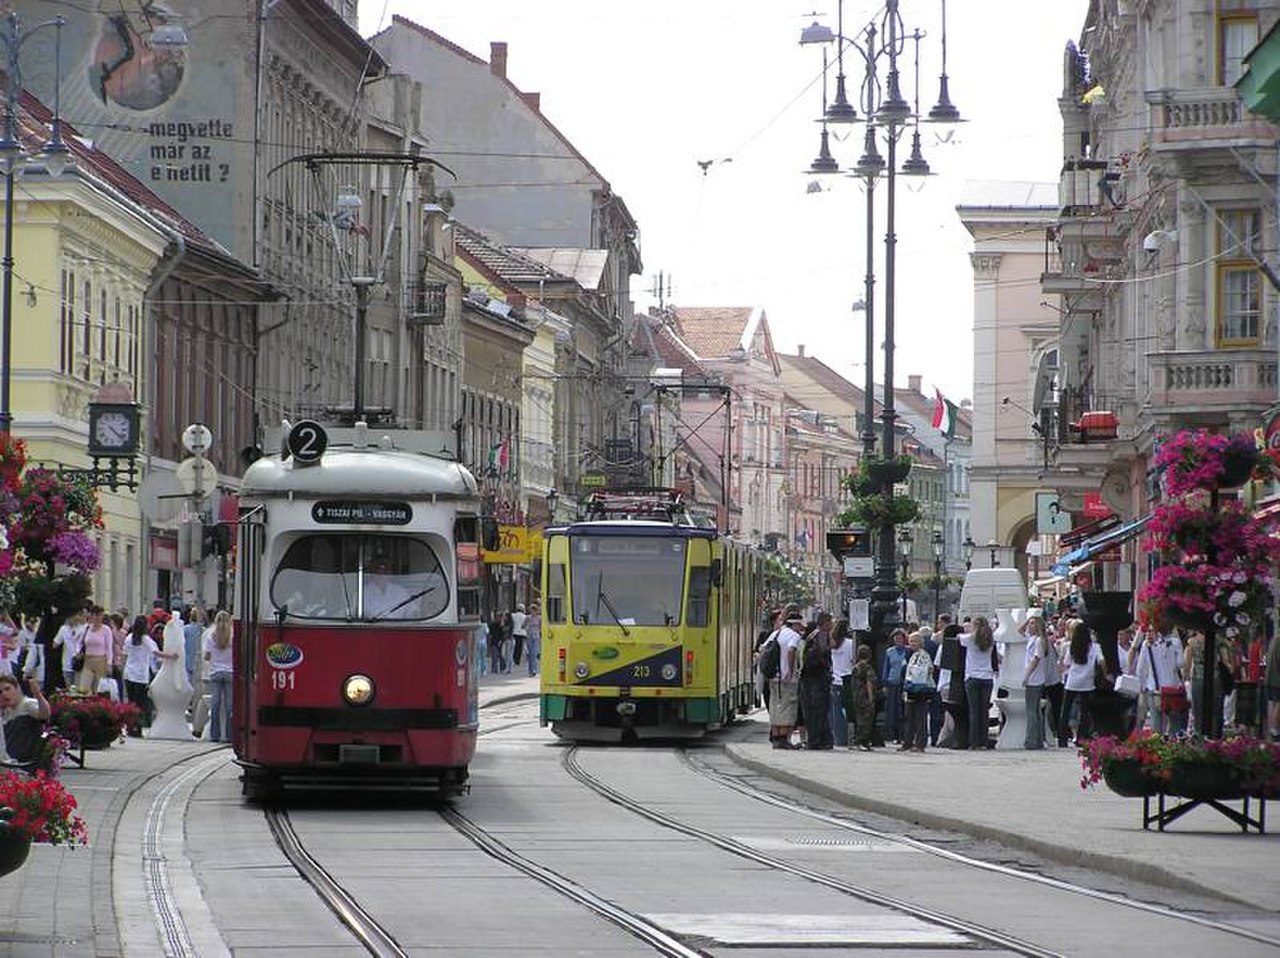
pixel 1204 125
pixel 1239 383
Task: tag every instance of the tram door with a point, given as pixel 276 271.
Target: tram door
pixel 250 559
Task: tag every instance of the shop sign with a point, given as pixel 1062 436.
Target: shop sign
pixel 513 546
pixel 1094 507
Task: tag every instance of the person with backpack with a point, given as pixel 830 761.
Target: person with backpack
pixel 918 688
pixel 815 683
pixel 768 638
pixel 784 685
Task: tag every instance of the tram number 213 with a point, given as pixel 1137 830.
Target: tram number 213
pixel 639 671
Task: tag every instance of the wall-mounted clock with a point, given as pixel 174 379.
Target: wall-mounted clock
pixel 113 429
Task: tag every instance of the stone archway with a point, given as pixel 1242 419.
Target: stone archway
pixel 1023 532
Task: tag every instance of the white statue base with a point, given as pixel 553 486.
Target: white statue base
pixel 170 690
pixel 1013 731
pixel 1010 697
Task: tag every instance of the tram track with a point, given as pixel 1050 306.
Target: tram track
pixel 699 767
pixel 656 937
pixel 376 939
pixel 989 936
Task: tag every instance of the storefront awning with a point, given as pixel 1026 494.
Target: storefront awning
pixel 1100 543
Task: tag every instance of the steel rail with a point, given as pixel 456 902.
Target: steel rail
pixel 661 941
pixel 376 939
pixel 990 935
pixel 768 798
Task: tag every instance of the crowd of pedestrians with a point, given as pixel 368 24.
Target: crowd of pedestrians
pixel 117 655
pixel 825 686
pixel 507 639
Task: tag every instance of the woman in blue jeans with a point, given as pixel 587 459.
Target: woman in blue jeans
pixel 217 676
pixel 980 664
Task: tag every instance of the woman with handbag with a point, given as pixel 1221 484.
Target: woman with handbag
pixel 917 688
pixel 97 647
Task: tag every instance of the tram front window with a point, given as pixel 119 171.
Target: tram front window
pixel 352 578
pixel 627 580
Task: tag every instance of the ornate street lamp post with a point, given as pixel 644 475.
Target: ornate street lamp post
pixel 886 112
pixel 968 545
pixel 939 548
pixel 53 156
pixel 904 543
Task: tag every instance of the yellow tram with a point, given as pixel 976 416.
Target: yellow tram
pixel 648 622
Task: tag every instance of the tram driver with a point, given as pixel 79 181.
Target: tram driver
pixel 385 596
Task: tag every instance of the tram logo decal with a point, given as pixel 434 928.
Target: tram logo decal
pixel 283 655
pixel 655 670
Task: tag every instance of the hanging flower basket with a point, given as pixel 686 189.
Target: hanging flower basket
pixel 1196 459
pixel 879 510
pixel 889 471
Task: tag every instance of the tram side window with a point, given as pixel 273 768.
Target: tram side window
pixel 466 535
pixel 699 596
pixel 555 592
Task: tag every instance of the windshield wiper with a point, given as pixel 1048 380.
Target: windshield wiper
pixel 401 604
pixel 601 597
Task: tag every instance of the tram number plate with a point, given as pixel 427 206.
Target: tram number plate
pixel 282 680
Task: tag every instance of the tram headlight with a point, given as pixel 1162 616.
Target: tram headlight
pixel 358 690
pixel 582 670
pixel 669 672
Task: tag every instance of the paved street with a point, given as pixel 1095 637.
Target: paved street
pixel 160 807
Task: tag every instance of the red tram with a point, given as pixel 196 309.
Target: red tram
pixel 355 665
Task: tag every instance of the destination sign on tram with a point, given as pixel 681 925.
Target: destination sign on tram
pixel 353 511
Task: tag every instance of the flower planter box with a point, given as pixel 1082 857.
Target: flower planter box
pixel 14 849
pixel 1128 780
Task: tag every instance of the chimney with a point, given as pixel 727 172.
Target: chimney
pixel 800 350
pixel 498 59
pixel 914 381
pixel 533 99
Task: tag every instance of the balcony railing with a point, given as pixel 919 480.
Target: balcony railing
pixel 1223 379
pixel 1190 117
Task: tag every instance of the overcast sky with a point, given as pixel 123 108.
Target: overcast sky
pixel 645 91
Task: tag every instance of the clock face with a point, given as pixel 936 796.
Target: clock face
pixel 113 429
pixel 112 432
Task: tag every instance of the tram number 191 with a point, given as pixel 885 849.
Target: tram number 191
pixel 282 679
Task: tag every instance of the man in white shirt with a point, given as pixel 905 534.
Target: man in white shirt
pixel 785 689
pixel 384 596
pixel 1159 665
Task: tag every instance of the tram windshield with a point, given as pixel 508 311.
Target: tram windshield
pixel 627 580
pixel 353 577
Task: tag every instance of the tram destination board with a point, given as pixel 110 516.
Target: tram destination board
pixel 354 511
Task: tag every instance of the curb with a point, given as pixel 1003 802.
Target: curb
pixel 1063 855
pixel 106 943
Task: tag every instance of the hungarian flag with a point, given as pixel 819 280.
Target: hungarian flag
pixel 945 414
pixel 500 455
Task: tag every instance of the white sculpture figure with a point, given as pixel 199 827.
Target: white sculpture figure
pixel 171 689
pixel 1011 701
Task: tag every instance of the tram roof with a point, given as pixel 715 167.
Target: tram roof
pixel 634 527
pixel 360 473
